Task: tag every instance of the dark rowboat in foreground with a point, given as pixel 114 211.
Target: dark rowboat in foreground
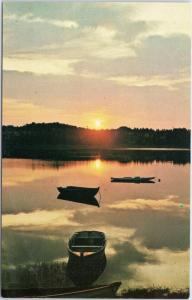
pixel 100 291
pixel 133 179
pixel 87 258
pixel 78 191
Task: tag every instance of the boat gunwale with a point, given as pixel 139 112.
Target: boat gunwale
pixel 81 188
pixel 115 284
pixel 100 248
pixel 92 253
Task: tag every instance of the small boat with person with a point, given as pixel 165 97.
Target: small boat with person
pixel 136 179
pixel 78 191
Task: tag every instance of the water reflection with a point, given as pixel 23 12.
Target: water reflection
pixel 123 155
pixel 90 201
pixel 86 271
pixel 147 228
pixel 97 164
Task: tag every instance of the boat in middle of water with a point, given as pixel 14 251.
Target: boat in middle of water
pixel 78 191
pixel 133 179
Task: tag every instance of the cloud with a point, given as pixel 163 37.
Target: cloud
pixel 29 18
pixel 39 66
pixel 159 14
pixel 109 40
pixel 101 42
pixel 157 57
pixel 116 59
pixel 152 228
pixel 173 270
pixel 91 42
pixel 39 218
pixel 120 265
pixel 152 64
pixel 152 81
pixel 168 204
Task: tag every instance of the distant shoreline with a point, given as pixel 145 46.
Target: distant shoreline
pixel 151 149
pixel 55 141
pixel 123 155
pixel 62 136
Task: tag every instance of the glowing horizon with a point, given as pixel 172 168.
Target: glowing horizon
pixel 125 64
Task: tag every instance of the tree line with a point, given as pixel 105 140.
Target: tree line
pixel 62 135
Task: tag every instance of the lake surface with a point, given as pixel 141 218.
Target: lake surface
pixel 146 225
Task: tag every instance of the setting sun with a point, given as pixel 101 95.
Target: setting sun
pixel 98 123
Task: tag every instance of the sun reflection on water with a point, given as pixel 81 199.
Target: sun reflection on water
pixel 97 164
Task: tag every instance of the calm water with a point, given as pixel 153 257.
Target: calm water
pixel 146 225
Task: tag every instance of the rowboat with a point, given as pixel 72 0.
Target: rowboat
pixel 77 191
pixel 86 243
pixel 87 258
pixel 80 199
pixel 133 179
pixel 100 291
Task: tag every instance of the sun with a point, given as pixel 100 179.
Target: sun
pixel 98 123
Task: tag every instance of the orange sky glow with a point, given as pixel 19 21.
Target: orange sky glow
pixel 125 64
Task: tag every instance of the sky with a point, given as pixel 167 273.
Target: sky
pixel 97 65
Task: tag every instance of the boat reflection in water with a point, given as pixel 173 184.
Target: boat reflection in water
pixel 78 199
pixel 87 259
